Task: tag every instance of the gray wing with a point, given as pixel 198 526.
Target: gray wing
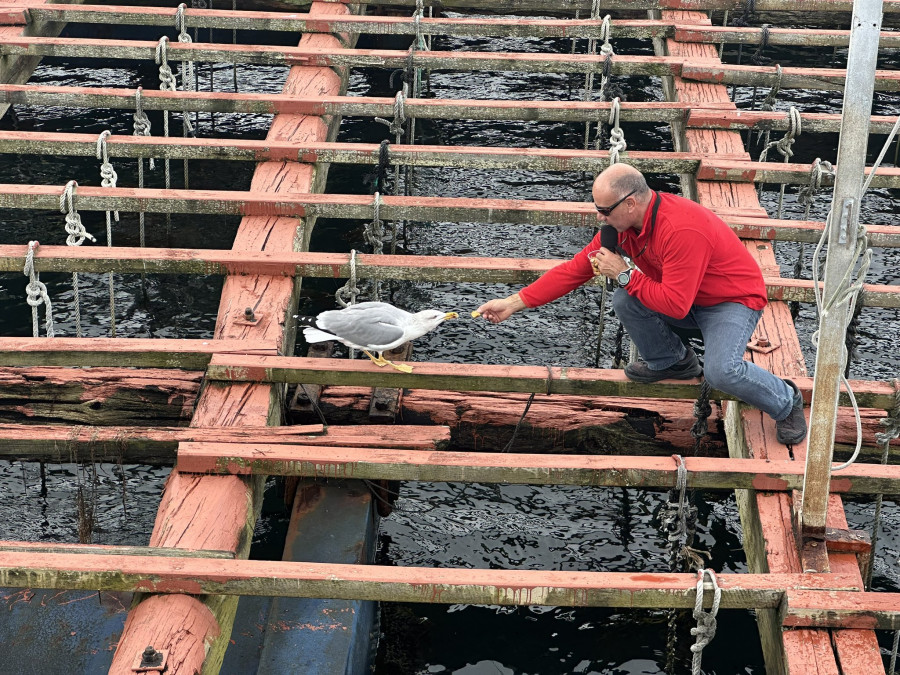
pixel 366 324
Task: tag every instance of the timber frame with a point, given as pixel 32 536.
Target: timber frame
pixel 237 435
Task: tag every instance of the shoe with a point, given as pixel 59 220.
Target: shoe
pixel 792 429
pixel 689 367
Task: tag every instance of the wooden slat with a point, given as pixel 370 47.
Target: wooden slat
pixel 474 377
pixel 529 469
pixel 124 352
pixel 337 265
pixel 100 549
pixel 842 610
pixel 396 584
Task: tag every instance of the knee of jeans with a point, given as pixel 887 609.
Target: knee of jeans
pixel 721 376
pixel 622 303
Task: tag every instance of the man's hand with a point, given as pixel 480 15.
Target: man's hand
pixel 501 309
pixel 608 264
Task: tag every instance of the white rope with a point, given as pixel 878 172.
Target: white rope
pixel 617 142
pixel 141 128
pixel 706 621
pixel 76 236
pixel 396 125
pixel 36 293
pixel 374 236
pixel 166 83
pixel 784 147
pixel 108 178
pixel 187 82
pixel 346 294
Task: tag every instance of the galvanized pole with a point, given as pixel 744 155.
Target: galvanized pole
pixel 842 225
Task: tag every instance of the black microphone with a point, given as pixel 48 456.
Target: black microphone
pixel 609 239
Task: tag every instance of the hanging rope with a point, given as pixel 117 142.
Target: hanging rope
pixel 806 196
pixel 891 425
pixel 606 49
pixel 617 142
pixel 373 233
pixel 784 147
pixel 396 125
pixel 892 668
pixel 702 411
pixel 187 81
pixel 141 128
pixel 76 236
pixel 346 295
pixel 108 178
pixel 166 83
pixel 768 105
pixel 36 294
pixel 706 621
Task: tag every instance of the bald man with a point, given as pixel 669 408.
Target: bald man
pixel 687 269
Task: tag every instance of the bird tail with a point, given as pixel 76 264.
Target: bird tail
pixel 315 335
pixel 303 320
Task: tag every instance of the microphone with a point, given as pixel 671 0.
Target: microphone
pixel 609 239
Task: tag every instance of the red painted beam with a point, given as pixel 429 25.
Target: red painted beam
pixel 836 609
pixel 531 469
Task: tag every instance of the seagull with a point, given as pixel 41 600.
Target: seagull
pixel 374 326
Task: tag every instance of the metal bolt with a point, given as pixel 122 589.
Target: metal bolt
pixel 150 657
pixel 763 342
pixel 249 315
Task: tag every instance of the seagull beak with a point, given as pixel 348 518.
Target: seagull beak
pixel 451 315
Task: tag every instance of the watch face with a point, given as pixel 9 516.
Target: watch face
pixel 624 277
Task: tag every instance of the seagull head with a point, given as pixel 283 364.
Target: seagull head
pixel 432 318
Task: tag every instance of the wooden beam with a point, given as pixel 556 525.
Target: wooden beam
pixel 837 609
pixel 528 469
pixel 474 377
pixel 396 584
pixel 100 549
pixel 738 120
pixel 365 106
pixel 187 354
pixel 54 443
pixel 778 172
pixel 337 265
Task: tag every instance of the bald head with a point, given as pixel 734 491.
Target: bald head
pixel 621 179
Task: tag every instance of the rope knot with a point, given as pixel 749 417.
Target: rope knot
pixel 74 227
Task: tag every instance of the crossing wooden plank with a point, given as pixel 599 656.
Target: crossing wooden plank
pixel 517 468
pixel 837 609
pixel 398 584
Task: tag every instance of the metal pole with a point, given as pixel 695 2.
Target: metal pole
pixel 842 224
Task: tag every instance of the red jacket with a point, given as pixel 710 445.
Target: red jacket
pixel 691 258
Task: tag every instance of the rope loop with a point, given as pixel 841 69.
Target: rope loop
pixel 757 57
pixel 396 125
pixel 891 423
pixel 141 121
pixel 606 34
pixel 617 142
pixel 108 175
pixel 374 230
pixel 346 294
pixel 166 78
pixel 783 145
pixel 36 293
pixel 179 22
pixel 705 630
pixel 702 411
pixel 595 9
pixel 769 102
pixel 74 227
pixel 817 173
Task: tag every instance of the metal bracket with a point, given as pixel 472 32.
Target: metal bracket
pixel 762 346
pixel 844 222
pixel 151 661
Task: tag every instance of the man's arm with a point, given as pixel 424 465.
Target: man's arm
pixel 500 309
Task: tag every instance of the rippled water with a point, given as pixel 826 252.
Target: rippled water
pixel 451 525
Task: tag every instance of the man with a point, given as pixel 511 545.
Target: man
pixel 690 271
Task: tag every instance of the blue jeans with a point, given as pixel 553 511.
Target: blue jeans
pixel 726 328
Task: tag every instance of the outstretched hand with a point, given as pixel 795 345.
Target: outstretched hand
pixel 500 309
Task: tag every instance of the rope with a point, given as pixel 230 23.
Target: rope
pixel 108 178
pixel 76 236
pixel 768 105
pixel 396 125
pixel 166 83
pixel 373 233
pixel 187 81
pixel 892 668
pixel 757 58
pixel 806 196
pixel 784 147
pixel 36 294
pixel 617 142
pixel 706 621
pixel 702 411
pixel 891 425
pixel 141 128
pixel 512 439
pixel 346 294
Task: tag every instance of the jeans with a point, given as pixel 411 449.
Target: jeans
pixel 726 328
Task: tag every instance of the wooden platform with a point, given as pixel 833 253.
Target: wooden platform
pixel 231 387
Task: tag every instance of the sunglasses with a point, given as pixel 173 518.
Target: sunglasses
pixel 606 210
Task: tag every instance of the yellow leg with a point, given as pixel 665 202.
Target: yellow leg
pixel 402 367
pixel 379 361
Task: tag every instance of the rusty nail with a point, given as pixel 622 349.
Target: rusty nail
pixel 249 315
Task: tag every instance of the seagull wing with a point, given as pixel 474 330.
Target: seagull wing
pixel 368 325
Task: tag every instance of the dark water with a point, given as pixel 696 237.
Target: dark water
pixel 450 525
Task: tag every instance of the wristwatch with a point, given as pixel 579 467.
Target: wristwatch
pixel 622 278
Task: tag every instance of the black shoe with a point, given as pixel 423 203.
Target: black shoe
pixel 792 429
pixel 685 369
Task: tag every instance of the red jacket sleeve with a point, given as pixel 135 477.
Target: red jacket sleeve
pixel 563 278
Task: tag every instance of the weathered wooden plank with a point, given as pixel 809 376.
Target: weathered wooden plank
pixel 836 609
pixel 724 169
pixel 270 103
pixel 100 549
pixel 738 120
pixel 515 468
pixel 475 377
pixel 187 354
pixel 396 584
pixel 135 444
pixel 337 265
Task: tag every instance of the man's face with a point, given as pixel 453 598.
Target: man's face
pixel 612 208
